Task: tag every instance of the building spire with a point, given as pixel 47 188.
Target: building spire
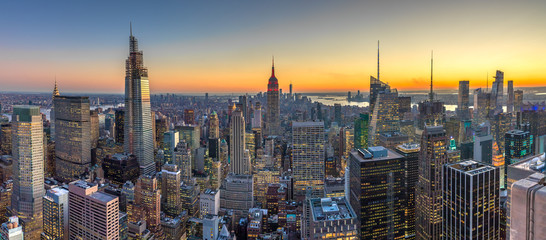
pixel 377 59
pixel 431 94
pixel 273 66
pixel 131 28
pixel 55 89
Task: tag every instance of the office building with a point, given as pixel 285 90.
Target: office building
pixel 120 168
pixel 170 190
pixel 483 144
pixel 5 139
pixel 410 151
pixel 385 116
pixel 376 87
pixel 482 106
pixel 517 147
pixel 237 193
pixel 209 202
pixel 471 201
pixel 11 230
pixel 210 227
pixel 189 116
pixel 182 159
pixel 56 214
pixel 463 101
pixel 329 218
pixel 28 169
pixel 97 124
pixel 138 136
pixel 51 113
pixel 189 196
pixel 257 116
pixel 170 140
pixel 361 131
pixel 404 107
pixel 377 192
pixel 73 137
pixel 273 114
pixel 528 208
pixel 147 204
pixel 238 163
pixel 120 125
pixel 497 92
pixel 214 126
pixel 510 101
pixel 308 155
pixel 92 214
pixel 428 191
pixel 518 100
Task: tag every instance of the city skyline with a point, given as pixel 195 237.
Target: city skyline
pixel 319 48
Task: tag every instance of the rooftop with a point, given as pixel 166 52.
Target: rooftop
pixel 330 209
pixel 375 154
pixel 471 167
pixel 103 197
pixel 409 147
pixel 534 163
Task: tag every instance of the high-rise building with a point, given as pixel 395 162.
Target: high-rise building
pixel 431 113
pixel 189 196
pixel 95 127
pixel 147 204
pixel 385 116
pixel 170 190
pixel 210 227
pixel 237 193
pixel 239 163
pixel 528 208
pixel 510 101
pixel 518 100
pixel 56 214
pixel 11 230
pixel 73 137
pixel 483 144
pixel 497 92
pixel 410 151
pixel 337 114
pixel 28 169
pixel 517 146
pixel 308 156
pixel 182 159
pixel 471 201
pixel 376 87
pixel 120 125
pixel 52 112
pixel 170 140
pixel 361 131
pixel 428 191
pixel 404 106
pixel 161 126
pixel 377 192
pixel 257 118
pixel 273 114
pixel 482 106
pixel 463 100
pixel 209 202
pixel 120 168
pixel 138 135
pixel 5 139
pixel 214 126
pixel 329 218
pixel 189 116
pixel 92 214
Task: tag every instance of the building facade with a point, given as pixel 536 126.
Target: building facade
pixel 308 158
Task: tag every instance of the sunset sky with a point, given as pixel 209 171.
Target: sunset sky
pixel 226 46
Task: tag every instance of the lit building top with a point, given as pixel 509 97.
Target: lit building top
pixel 409 147
pixel 535 163
pixel 329 209
pixel 471 167
pixel 376 154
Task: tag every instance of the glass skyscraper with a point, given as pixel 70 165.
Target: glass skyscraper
pixel 138 136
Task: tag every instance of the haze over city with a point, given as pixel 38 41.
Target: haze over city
pixel 225 47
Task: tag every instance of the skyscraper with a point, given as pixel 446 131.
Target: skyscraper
pixel 182 159
pixel 56 214
pixel 147 204
pixel 497 92
pixel 377 192
pixel 308 155
pixel 170 192
pixel 239 163
pixel 428 191
pixel 120 125
pixel 518 100
pixel 52 113
pixel 528 208
pixel 411 161
pixel 463 100
pixel 214 126
pixel 483 144
pixel 28 169
pixel 138 136
pixel 510 101
pixel 92 214
pixel 273 113
pixel 385 116
pixel 471 199
pixel 73 137
pixel 11 230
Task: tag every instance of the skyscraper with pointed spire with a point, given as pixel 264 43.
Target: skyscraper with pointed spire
pixel 273 110
pixel 431 112
pixel 52 113
pixel 138 136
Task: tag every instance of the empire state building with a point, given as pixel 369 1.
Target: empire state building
pixel 138 139
pixel 273 111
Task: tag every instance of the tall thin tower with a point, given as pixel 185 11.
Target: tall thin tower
pixel 138 136
pixel 273 110
pixel 431 94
